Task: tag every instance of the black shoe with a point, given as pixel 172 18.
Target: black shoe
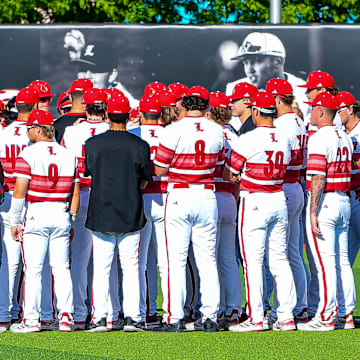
pixel 210 326
pixel 88 322
pixel 174 328
pixel 132 326
pixel 99 326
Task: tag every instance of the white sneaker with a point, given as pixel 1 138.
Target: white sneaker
pixel 247 326
pixel 23 328
pixel 115 325
pixel 345 323
pixel 4 326
pixel 50 325
pixel 286 325
pixel 317 325
pixel 66 322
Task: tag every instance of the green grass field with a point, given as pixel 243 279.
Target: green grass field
pixel 343 344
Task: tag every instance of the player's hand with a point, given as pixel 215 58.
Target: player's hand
pixel 17 233
pixel 315 225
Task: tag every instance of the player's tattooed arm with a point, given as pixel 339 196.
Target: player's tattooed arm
pixel 317 189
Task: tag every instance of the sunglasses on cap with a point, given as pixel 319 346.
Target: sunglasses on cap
pixel 342 109
pixel 28 127
pixel 45 99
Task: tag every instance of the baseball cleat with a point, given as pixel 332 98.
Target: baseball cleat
pixel 345 323
pixel 247 326
pixel 4 326
pixel 233 318
pixel 317 324
pixel 99 326
pixel 79 325
pixel 49 325
pixel 302 317
pixel 287 325
pixel 115 325
pixel 132 326
pixel 66 322
pixel 23 328
pixel 178 327
pixel 222 324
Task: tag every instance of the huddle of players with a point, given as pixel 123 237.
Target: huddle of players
pixel 192 213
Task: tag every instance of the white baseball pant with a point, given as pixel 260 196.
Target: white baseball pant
pixel 103 252
pixel 191 215
pixel 330 253
pixel 47 228
pixel 262 231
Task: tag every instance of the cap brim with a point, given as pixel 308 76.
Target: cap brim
pixel 249 104
pixel 304 86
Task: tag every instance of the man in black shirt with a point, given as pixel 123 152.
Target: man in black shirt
pixel 77 111
pixel 243 93
pixel 119 164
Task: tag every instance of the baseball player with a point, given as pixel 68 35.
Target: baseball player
pixel 327 218
pixel 76 92
pixel 263 56
pixel 153 234
pixel 261 157
pixel 241 120
pixel 47 180
pixel 74 139
pixel 348 109
pixel 226 196
pixel 179 90
pixel 188 152
pixel 292 126
pixel 127 158
pixel 45 94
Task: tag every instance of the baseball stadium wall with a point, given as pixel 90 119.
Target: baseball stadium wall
pixel 131 56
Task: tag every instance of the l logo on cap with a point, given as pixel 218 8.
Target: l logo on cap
pixel 89 50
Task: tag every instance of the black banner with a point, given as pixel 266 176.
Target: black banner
pixel 129 57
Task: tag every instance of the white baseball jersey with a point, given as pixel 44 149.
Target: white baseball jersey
pixel 220 183
pixel 293 127
pixel 311 129
pixel 13 139
pixel 329 154
pixel 186 150
pixel 51 169
pixel 262 156
pixel 74 139
pixel 151 134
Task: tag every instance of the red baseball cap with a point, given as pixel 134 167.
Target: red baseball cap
pixel 80 85
pixel 27 96
pixel 154 87
pixel 40 117
pixel 243 90
pixel 264 101
pixel 198 91
pixel 118 104
pixel 179 90
pixel 279 87
pixel 325 99
pixel 219 99
pixel 167 99
pixel 63 101
pixel 135 113
pixel 318 80
pixel 94 96
pixel 42 87
pixel 113 92
pixel 150 104
pixel 345 99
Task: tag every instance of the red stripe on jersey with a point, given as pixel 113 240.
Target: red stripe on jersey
pixel 224 187
pixel 191 179
pixel 33 198
pixel 317 163
pixel 292 176
pixel 192 162
pixel 297 157
pixel 310 133
pixel 9 183
pixel 164 155
pixel 81 165
pixel 236 161
pixel 22 167
pixel 85 182
pixel 251 187
pixel 60 185
pixel 261 172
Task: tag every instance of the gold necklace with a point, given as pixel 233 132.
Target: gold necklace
pixel 118 129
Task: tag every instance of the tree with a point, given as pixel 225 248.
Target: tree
pixel 176 11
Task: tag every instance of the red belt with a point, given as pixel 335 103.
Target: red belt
pixel 187 186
